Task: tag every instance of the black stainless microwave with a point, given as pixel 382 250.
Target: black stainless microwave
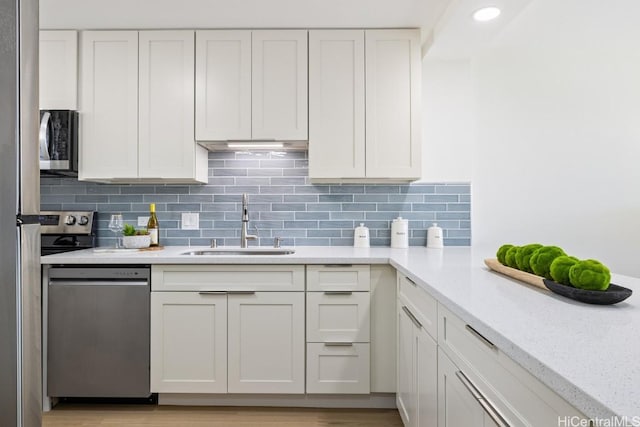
pixel 59 142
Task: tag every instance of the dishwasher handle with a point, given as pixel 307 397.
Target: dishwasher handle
pixel 62 282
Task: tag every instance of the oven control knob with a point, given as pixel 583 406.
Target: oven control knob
pixel 70 220
pixel 84 220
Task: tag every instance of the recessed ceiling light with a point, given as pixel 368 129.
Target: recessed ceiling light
pixel 486 14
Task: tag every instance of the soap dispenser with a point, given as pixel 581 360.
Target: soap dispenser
pixel 361 236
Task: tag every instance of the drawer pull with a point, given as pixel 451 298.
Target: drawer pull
pixel 487 406
pixel 411 281
pixel 241 292
pixel 338 293
pixel 480 337
pixel 338 344
pixel 212 293
pixel 411 316
pixel 338 265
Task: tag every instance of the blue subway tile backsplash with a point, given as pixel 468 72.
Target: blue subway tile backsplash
pixel 282 203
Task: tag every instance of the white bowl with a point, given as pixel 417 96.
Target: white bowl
pixel 136 242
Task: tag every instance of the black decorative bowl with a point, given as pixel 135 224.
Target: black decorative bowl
pixel 612 295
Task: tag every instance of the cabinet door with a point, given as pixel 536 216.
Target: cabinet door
pixel 457 407
pixel 406 398
pixel 266 342
pixel 393 104
pixel 336 104
pixel 223 85
pixel 279 85
pixel 188 342
pixel 108 105
pixel 426 379
pixel 167 146
pixel 58 70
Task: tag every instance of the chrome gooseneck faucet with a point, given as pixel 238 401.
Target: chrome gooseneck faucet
pixel 244 237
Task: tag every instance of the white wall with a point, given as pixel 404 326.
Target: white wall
pixel 557 155
pixel 448 121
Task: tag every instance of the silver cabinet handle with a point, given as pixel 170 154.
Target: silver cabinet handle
pixel 338 344
pixel 241 292
pixel 487 406
pixel 410 281
pixel 480 337
pixel 338 293
pixel 212 292
pixel 411 316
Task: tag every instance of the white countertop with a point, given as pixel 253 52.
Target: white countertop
pixel 588 354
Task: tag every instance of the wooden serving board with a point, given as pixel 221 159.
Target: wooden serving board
pixel 152 248
pixel 514 273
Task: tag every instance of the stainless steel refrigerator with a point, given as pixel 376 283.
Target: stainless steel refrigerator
pixel 20 296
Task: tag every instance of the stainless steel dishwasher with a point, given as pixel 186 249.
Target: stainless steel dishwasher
pixel 98 331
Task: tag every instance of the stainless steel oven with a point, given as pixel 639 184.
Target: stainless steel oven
pixel 98 331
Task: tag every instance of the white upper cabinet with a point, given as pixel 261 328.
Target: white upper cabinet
pixel 393 104
pixel 108 105
pixel 167 146
pixel 336 104
pixel 223 85
pixel 364 105
pixel 251 85
pixel 137 108
pixel 279 85
pixel 58 70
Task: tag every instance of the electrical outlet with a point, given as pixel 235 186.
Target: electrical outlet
pixel 142 221
pixel 190 220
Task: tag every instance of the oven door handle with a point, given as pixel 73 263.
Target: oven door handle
pixel 44 136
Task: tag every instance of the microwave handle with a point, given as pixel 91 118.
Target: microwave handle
pixel 44 136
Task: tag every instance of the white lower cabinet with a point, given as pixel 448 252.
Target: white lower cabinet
pixel 338 329
pixel 417 373
pixel 227 341
pixel 457 407
pixel 188 342
pixel 417 355
pixel 338 368
pixel 266 342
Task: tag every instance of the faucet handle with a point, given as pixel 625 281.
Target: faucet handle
pixel 276 242
pixel 214 243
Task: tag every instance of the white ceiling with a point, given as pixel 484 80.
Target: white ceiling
pixel 448 20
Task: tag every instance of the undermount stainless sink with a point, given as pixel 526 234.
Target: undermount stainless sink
pixel 241 251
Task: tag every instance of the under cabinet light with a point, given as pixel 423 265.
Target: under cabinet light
pixel 255 145
pixel 486 14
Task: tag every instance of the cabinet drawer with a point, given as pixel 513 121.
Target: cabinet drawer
pixel 341 316
pixel 338 277
pixel 227 278
pixel 422 305
pixel 518 396
pixel 337 369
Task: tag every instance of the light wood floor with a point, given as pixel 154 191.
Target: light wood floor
pixel 86 415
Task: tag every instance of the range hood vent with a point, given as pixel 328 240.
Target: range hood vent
pixel 249 145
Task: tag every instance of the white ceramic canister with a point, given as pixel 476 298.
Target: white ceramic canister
pixel 361 236
pixel 434 237
pixel 400 233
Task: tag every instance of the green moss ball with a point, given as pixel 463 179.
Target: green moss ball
pixel 541 259
pixel 559 268
pixel 524 254
pixel 510 257
pixel 590 274
pixel 502 253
